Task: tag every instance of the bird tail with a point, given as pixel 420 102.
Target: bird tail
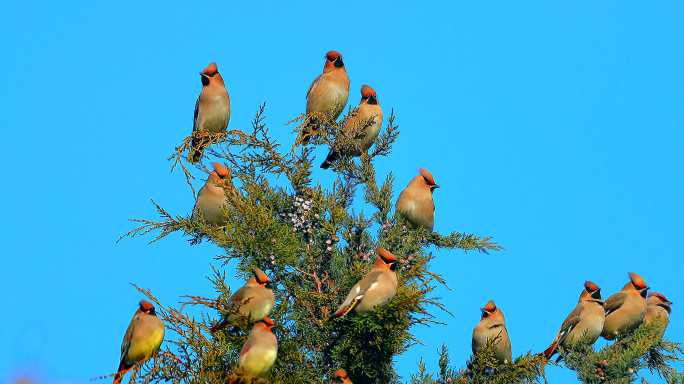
pixel 196 150
pixel 332 156
pixel 345 309
pixel 551 350
pixel 120 373
pixel 219 326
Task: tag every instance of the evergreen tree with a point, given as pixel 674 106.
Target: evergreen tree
pixel 314 244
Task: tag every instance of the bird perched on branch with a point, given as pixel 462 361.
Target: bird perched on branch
pixel 625 310
pixel 253 300
pixel 211 199
pixel 341 377
pixel 658 308
pixel 415 202
pixel 143 338
pixel 583 324
pixel 376 288
pixel 367 121
pixel 261 349
pixel 492 329
pixel 212 111
pixel 327 94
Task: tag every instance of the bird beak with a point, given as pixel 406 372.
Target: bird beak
pixel 372 100
pixel 433 187
pixel 205 79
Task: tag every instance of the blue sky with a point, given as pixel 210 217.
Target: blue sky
pixel 554 127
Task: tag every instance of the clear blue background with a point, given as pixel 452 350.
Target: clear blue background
pixel 555 127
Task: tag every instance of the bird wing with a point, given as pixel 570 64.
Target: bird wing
pixel 126 342
pixel 356 293
pixel 195 115
pixel 614 302
pixel 312 86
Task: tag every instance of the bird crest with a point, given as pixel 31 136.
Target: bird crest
pixel 210 69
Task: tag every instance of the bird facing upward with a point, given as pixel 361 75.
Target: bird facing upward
pixel 415 202
pixel 327 94
pixel 212 110
pixel 368 120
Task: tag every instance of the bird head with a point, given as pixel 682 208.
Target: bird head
pixel 385 259
pixel 221 170
pixel 489 309
pixel 215 179
pixel 638 284
pixel 340 375
pixel 657 298
pixel 333 59
pixel 261 277
pixel 267 322
pixel 368 95
pixel 428 179
pixel 209 73
pixel 591 291
pixel 146 307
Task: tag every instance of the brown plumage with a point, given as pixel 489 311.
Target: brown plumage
pixel 376 288
pixel 584 323
pixel 415 202
pixel 368 119
pixel 327 94
pixel 253 300
pixel 211 199
pixel 142 340
pixel 260 350
pixel 492 329
pixel 212 110
pixel 625 310
pixel 658 308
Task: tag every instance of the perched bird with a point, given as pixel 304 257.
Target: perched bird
pixel 625 310
pixel 211 199
pixel 327 94
pixel 368 118
pixel 261 349
pixel 492 329
pixel 415 202
pixel 341 377
pixel 212 110
pixel 253 300
pixel 658 308
pixel 142 339
pixel 376 288
pixel 584 323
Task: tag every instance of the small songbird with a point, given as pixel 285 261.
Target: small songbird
pixel 368 118
pixel 625 310
pixel 261 349
pixel 415 202
pixel 658 308
pixel 212 109
pixel 376 288
pixel 583 324
pixel 492 328
pixel 253 300
pixel 143 338
pixel 211 199
pixel 341 377
pixel 328 93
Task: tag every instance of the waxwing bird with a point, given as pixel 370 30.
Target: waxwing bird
pixel 341 377
pixel 584 323
pixel 261 349
pixel 376 288
pixel 212 110
pixel 368 119
pixel 492 329
pixel 142 339
pixel 211 199
pixel 625 310
pixel 658 308
pixel 327 94
pixel 415 202
pixel 253 300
